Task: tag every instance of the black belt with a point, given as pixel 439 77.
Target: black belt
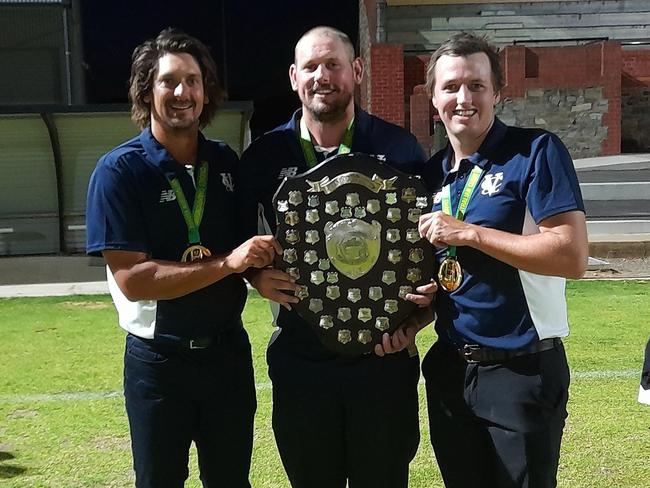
pixel 194 343
pixel 473 353
pixel 202 343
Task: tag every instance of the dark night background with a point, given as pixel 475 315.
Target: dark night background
pixel 251 41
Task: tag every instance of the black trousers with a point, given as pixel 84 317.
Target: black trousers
pixel 174 397
pixel 338 420
pixel 497 425
pixel 644 388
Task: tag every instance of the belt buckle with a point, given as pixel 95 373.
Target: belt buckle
pixel 194 344
pixel 468 350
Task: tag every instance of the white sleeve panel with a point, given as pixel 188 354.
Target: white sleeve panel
pixel 546 303
pixel 263 226
pixel 545 295
pixel 138 318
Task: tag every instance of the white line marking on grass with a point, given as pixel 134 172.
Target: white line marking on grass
pixel 58 397
pixel 99 395
pixel 587 375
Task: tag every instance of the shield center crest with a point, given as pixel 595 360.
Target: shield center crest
pixel 353 246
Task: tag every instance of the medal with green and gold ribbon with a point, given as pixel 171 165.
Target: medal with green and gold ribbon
pixel 450 274
pixel 193 217
pixel 308 148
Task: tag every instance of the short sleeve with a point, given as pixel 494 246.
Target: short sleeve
pixel 114 218
pixel 553 184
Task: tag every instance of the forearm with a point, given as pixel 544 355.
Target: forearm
pixel 142 278
pixel 163 280
pixel 547 253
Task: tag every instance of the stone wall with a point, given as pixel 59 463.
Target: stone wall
pixel 635 100
pixel 569 69
pixel 574 114
pixel 635 123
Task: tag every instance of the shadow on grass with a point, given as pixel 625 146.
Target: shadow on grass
pixel 9 470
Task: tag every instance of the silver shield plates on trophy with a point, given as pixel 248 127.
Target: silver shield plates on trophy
pixel 348 228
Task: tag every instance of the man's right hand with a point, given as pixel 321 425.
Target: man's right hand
pixel 275 285
pixel 256 252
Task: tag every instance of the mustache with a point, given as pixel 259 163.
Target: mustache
pixel 316 86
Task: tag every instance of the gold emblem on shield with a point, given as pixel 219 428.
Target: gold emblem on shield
pixel 353 246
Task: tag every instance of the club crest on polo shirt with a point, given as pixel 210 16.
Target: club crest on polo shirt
pixel 491 184
pixel 226 179
pixel 167 196
pixel 437 198
pixel 288 172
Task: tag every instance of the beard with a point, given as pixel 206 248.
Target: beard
pixel 170 120
pixel 181 124
pixel 329 112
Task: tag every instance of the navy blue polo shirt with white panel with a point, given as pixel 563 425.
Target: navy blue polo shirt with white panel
pixel 528 177
pixel 131 207
pixel 278 154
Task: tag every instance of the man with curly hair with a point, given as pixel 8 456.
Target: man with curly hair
pixel 160 213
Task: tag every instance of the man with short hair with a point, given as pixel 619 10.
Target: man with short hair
pixel 509 226
pixel 160 213
pixel 336 420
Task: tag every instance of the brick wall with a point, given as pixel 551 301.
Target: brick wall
pixel 570 67
pixel 565 71
pixel 382 90
pixel 367 28
pixel 635 63
pixel 387 82
pixel 420 114
pixel 415 70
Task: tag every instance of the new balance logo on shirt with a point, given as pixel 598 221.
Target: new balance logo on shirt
pixel 167 196
pixel 287 172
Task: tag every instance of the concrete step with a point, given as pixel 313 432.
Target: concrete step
pixel 622 190
pixel 614 227
pixel 609 249
pixel 596 175
pixel 618 210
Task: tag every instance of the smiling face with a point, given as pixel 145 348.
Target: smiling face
pixel 324 75
pixel 464 96
pixel 177 95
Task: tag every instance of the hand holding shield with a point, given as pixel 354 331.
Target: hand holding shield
pixel 348 228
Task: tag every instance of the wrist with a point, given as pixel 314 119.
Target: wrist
pixel 252 275
pixel 472 235
pixel 226 265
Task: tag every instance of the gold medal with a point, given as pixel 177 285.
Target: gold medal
pixel 450 274
pixel 195 252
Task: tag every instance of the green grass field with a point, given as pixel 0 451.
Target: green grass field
pixel 62 420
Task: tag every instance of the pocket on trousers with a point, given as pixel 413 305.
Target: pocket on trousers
pixel 144 352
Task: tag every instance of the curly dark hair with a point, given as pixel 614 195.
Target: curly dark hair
pixel 144 64
pixel 465 44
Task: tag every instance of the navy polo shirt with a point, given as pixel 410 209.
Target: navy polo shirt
pixel 528 176
pixel 131 207
pixel 278 154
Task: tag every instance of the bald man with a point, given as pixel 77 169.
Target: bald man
pixel 336 420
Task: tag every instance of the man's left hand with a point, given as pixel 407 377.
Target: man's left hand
pixel 404 336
